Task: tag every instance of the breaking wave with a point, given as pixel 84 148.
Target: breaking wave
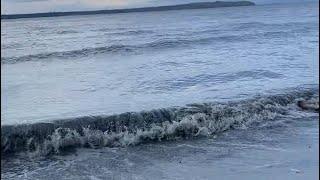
pixel 133 128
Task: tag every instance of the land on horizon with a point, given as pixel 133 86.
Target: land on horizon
pixel 200 5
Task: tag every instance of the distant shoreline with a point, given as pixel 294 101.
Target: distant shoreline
pixel 201 5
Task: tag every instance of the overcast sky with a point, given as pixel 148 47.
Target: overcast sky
pixel 34 6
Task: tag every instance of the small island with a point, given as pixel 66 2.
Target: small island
pixel 200 5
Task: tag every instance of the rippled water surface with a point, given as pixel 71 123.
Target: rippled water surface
pixel 190 94
pixel 60 67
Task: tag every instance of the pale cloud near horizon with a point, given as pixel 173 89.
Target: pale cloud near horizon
pixel 34 6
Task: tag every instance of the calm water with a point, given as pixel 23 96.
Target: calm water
pixel 68 67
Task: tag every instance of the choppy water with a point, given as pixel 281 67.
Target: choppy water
pixel 226 79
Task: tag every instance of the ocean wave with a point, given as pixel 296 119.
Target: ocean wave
pixel 283 26
pixel 66 54
pixel 66 32
pixel 130 32
pixel 165 43
pixel 155 45
pixel 132 128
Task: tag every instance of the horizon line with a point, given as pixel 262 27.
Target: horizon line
pixel 133 8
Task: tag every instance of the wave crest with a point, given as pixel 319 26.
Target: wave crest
pixel 165 43
pixel 133 128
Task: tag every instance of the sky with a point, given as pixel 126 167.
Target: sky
pixel 35 6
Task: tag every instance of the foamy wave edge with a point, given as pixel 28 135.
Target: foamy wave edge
pixel 133 128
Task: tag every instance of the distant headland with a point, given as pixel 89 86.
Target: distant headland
pixel 200 5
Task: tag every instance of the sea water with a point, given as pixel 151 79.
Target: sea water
pixel 189 94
